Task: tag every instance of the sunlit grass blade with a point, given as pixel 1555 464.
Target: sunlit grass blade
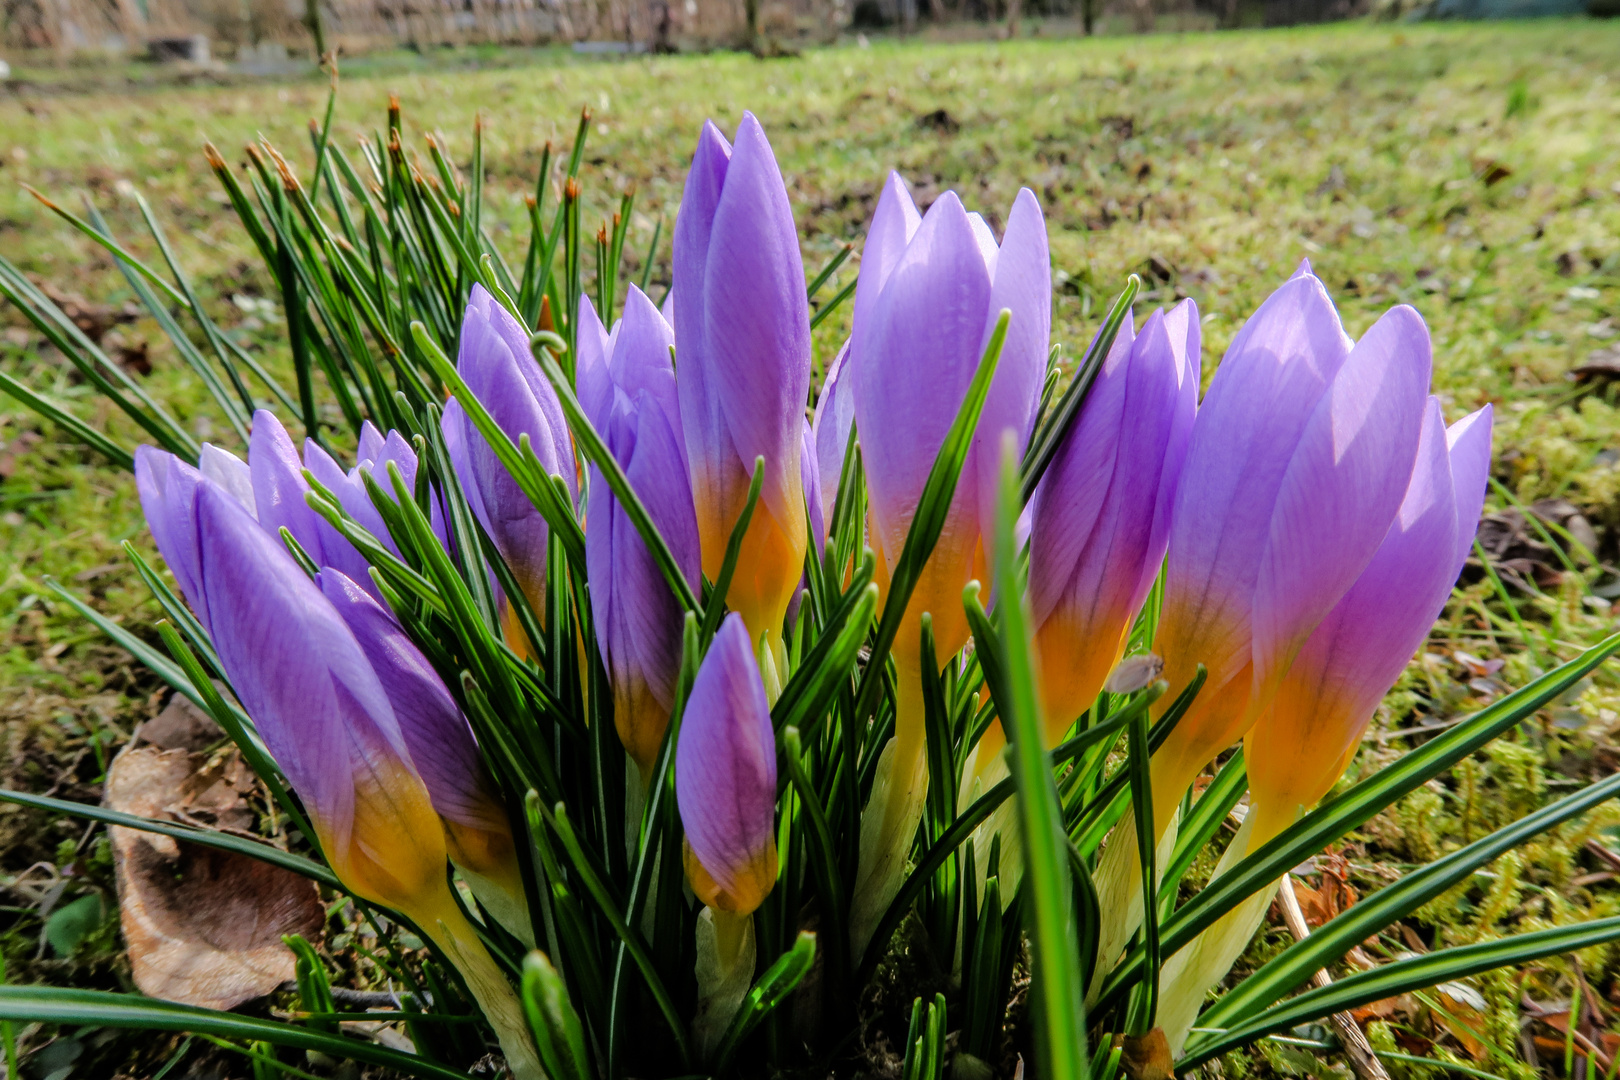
pixel 75 427
pixel 1058 993
pixel 1043 445
pixel 1350 809
pixel 213 838
pixel 101 1008
pixel 773 987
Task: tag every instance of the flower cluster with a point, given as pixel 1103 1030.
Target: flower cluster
pixel 1307 520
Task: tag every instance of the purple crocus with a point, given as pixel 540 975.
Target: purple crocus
pixel 928 296
pixel 627 386
pixel 502 374
pixel 1299 459
pixel 1101 516
pixel 1305 739
pixel 742 344
pixel 725 777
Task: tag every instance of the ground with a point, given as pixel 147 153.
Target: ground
pixel 1468 170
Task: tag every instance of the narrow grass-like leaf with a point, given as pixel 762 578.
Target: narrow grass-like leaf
pixel 1403 976
pixel 102 1008
pixel 773 987
pixel 59 415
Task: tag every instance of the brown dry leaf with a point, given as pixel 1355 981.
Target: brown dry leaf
pixel 1147 1057
pixel 1464 1017
pixel 204 927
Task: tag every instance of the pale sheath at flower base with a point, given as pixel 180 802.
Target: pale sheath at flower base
pixel 928 297
pixel 627 387
pixel 1309 733
pixel 1100 522
pixel 725 788
pixel 742 351
pixel 1298 461
pixel 318 704
pixel 502 374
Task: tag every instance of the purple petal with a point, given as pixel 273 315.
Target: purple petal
pixel 439 739
pixel 641 358
pixel 372 442
pixel 229 472
pixel 834 416
pixel 756 330
pixel 336 551
pixel 1345 482
pixel 1264 392
pixel 725 769
pixel 1361 647
pixel 168 487
pixel 912 363
pixel 894 222
pixel 591 375
pixel 810 478
pixel 279 487
pixel 1470 443
pixel 296 668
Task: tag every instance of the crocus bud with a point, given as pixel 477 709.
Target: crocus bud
pixel 1305 739
pixel 930 292
pixel 631 401
pixel 318 704
pixel 279 489
pixel 1101 516
pixel 443 750
pixel 810 478
pixel 1299 459
pixel 501 372
pixel 742 325
pixel 725 777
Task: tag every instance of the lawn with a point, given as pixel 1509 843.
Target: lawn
pixel 1470 171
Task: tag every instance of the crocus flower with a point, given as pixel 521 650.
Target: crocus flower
pixel 502 374
pixel 627 387
pixel 317 702
pixel 443 750
pixel 928 297
pixel 1298 461
pixel 1101 516
pixel 1312 728
pixel 742 346
pixel 1305 739
pixel 725 776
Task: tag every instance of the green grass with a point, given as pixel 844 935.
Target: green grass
pixel 1471 171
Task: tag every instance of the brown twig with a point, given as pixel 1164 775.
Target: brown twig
pixel 1356 1047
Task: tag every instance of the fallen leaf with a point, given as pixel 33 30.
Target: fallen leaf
pixel 1147 1057
pixel 203 926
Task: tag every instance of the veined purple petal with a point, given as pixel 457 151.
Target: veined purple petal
pixel 229 472
pixel 1469 440
pixel 294 665
pixel 439 739
pixel 168 490
pixel 834 416
pixel 810 478
pixel 279 487
pixel 725 776
pixel 1301 745
pixel 894 222
pixel 591 377
pixel 372 443
pixel 1262 396
pixel 912 362
pixel 1344 483
pixel 1098 537
pixel 756 338
pixel 641 358
pixel 336 551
